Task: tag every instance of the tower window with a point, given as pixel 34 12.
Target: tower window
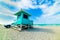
pixel 25 16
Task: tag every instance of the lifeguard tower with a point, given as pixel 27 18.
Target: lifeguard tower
pixel 23 20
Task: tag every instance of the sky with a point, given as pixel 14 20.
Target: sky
pixel 42 11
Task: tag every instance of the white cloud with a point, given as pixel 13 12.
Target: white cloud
pixel 5 11
pixel 25 4
pixel 48 16
pixel 48 12
pixel 8 13
pixel 5 21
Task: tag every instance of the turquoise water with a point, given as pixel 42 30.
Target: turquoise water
pixel 46 25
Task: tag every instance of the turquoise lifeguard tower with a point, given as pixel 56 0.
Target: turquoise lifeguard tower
pixel 23 20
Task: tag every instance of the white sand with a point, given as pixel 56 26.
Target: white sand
pixel 41 33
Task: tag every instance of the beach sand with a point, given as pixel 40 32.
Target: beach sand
pixel 37 33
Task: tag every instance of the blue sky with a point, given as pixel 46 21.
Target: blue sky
pixel 42 11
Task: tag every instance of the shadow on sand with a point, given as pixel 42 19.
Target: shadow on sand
pixel 40 30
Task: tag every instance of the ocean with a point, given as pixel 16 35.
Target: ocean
pixel 46 24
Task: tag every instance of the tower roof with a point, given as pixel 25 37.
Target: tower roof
pixel 21 11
